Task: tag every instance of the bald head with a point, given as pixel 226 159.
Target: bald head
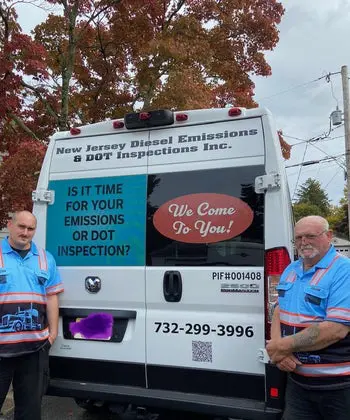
pixel 21 228
pixel 314 220
pixel 23 213
pixel 312 239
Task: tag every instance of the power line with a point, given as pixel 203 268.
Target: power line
pixel 329 80
pixel 314 162
pixel 336 173
pixel 296 184
pixel 311 142
pixel 321 137
pixel 308 141
pixel 329 156
pixel 297 87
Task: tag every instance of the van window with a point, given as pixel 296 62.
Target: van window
pixel 244 249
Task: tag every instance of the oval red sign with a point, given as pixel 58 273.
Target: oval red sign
pixel 203 218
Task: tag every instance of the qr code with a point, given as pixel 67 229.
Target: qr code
pixel 202 351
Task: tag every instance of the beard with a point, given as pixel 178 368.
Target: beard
pixel 308 252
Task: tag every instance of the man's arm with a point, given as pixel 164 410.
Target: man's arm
pixel 289 362
pixel 52 316
pixel 276 324
pixel 315 337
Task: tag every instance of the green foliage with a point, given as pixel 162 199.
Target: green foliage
pixel 338 219
pixel 314 198
pixel 305 209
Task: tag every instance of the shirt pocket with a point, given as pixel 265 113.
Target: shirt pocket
pixel 4 277
pixel 316 296
pixel 282 289
pixel 42 277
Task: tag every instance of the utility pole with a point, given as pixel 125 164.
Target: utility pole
pixel 345 83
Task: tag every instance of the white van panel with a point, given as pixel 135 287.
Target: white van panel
pixel 139 170
pixel 221 140
pixel 211 164
pixel 208 328
pixel 101 152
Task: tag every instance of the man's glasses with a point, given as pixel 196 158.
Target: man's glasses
pixel 309 237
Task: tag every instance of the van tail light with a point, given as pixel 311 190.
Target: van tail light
pixel 75 131
pixel 144 116
pixel 234 112
pixel 181 117
pixel 158 118
pixel 118 124
pixel 276 260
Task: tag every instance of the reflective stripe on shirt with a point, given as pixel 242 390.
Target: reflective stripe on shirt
pixel 291 277
pixel 316 278
pixel 298 320
pixel 53 290
pixel 42 259
pixel 338 313
pixel 326 369
pixel 24 336
pixel 22 298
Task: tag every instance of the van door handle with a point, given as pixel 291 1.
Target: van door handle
pixel 172 286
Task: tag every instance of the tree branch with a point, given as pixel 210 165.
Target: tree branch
pixel 23 126
pixel 48 107
pixel 176 9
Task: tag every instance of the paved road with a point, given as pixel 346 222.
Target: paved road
pixel 55 408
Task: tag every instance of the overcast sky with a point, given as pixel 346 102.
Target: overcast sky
pixel 314 39
pixel 314 36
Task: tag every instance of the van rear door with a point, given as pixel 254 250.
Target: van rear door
pixel 95 228
pixel 205 257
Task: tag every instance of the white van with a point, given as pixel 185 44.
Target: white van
pixel 170 230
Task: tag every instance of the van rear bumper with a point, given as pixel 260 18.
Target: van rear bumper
pixel 172 400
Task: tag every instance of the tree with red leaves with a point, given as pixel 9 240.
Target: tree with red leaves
pixel 20 146
pixel 101 59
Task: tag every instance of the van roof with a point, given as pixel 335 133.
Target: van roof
pixel 195 117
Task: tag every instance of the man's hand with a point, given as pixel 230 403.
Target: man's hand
pixel 277 350
pixel 289 364
pixel 51 339
pixel 52 316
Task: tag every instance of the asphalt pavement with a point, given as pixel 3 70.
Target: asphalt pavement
pixel 56 408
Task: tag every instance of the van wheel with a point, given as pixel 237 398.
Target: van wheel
pixel 91 406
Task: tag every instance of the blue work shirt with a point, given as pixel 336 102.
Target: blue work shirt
pixel 25 284
pixel 319 294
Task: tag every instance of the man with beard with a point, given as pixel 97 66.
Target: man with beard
pixel 310 328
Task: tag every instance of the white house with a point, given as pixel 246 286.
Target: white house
pixel 342 245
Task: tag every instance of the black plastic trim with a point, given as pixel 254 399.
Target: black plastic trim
pixel 275 378
pixel 107 372
pixel 208 382
pixel 82 312
pixel 231 407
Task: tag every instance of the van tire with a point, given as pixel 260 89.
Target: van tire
pixel 91 406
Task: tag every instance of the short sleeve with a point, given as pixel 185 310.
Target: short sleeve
pixel 54 284
pixel 338 308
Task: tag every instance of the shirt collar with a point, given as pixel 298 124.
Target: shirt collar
pixel 325 261
pixel 6 247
